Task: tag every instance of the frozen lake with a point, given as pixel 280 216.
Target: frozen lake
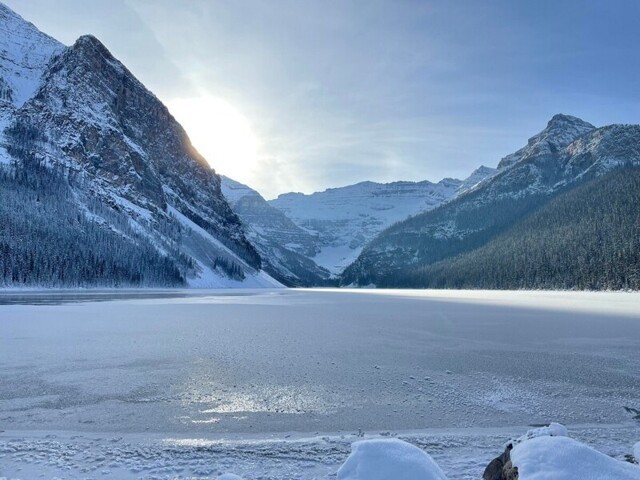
pixel 265 363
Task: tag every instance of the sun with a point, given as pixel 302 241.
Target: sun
pixel 219 132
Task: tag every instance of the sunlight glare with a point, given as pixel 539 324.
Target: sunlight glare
pixel 219 132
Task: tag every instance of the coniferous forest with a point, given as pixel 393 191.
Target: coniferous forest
pixel 46 240
pixel 586 238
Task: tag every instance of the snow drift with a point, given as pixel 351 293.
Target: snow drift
pixel 388 459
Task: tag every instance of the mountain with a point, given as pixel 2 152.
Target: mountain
pixel 99 163
pixel 437 248
pixel 343 220
pixel 285 248
pixel 24 54
pixel 598 222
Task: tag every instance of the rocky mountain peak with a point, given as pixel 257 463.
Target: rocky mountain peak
pixel 560 131
pixel 563 129
pixel 477 176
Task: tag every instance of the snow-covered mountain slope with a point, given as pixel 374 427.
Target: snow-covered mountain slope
pixel 24 54
pixel 567 152
pixel 477 177
pixel 285 248
pixel 345 219
pixel 80 113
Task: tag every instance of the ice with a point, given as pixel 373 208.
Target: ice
pixel 389 459
pixel 562 458
pixel 199 383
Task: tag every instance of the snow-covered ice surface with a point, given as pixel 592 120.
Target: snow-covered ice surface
pixel 277 384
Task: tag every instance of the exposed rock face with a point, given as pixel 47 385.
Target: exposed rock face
pixel 93 115
pixel 79 111
pixel 309 239
pixel 284 247
pixel 560 132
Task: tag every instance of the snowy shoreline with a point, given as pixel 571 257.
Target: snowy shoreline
pixel 462 453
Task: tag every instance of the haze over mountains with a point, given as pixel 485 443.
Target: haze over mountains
pixel 100 186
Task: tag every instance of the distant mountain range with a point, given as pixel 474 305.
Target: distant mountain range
pixel 333 226
pixel 100 186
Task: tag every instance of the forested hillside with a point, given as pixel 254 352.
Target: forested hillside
pixel 46 239
pixel 586 238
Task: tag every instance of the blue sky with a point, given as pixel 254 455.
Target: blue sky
pixel 338 92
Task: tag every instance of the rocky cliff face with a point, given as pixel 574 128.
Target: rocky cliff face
pixel 82 113
pixel 286 249
pixel 560 132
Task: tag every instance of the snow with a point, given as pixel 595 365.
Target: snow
pixel 547 453
pixel 562 458
pixel 559 133
pixel 208 278
pixel 277 384
pixel 389 459
pixel 229 476
pixel 552 430
pixel 4 155
pixel 345 219
pixel 636 452
pixel 24 54
pixel 234 191
pixel 336 259
pixel 477 177
pixel 461 454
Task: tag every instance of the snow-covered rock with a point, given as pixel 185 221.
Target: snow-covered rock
pixel 547 453
pixel 560 131
pixel 477 177
pixel 25 53
pixel 562 458
pixel 552 430
pixel 389 459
